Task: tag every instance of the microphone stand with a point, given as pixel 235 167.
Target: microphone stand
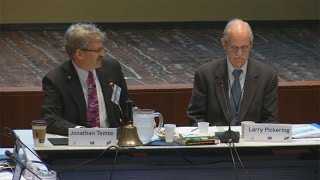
pixel 228 136
pixel 122 114
pixel 19 144
pixel 23 167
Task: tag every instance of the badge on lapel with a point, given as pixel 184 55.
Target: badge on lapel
pixel 116 92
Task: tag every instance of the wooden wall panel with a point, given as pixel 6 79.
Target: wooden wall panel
pixel 172 105
pixel 302 111
pixel 18 110
pixel 299 102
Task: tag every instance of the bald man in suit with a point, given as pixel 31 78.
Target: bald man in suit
pixel 86 91
pixel 237 88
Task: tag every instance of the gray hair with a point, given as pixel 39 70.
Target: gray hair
pixel 79 35
pixel 231 22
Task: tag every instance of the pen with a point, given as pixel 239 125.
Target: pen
pixel 194 129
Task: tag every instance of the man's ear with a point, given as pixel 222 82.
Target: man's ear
pixel 77 54
pixel 224 43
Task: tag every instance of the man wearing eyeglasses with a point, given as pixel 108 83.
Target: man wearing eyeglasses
pixel 86 91
pixel 237 88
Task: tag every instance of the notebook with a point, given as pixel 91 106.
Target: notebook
pixel 59 141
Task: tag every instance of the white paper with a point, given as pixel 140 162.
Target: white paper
pixel 6 175
pixel 193 131
pixel 306 131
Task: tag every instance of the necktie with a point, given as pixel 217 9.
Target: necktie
pixel 236 89
pixel 92 102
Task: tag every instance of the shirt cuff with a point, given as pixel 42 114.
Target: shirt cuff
pixel 79 127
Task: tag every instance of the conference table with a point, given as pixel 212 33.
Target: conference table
pixel 298 159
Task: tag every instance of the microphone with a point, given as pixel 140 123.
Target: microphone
pixel 23 166
pixel 9 154
pixel 115 100
pixel 126 112
pixel 228 136
pixel 129 106
pixel 20 144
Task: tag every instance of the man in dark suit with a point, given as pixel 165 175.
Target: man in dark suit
pixel 237 88
pixel 86 91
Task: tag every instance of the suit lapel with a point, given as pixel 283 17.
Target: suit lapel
pixel 106 91
pixel 75 90
pixel 221 84
pixel 105 84
pixel 250 87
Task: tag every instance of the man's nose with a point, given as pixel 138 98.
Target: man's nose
pixel 239 52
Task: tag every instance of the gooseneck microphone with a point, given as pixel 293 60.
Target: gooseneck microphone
pixel 19 144
pixel 23 166
pixel 228 136
pixel 116 100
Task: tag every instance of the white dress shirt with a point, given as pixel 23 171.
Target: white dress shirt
pixel 242 77
pixel 83 74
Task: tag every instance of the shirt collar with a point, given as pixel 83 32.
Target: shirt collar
pixel 83 74
pixel 231 68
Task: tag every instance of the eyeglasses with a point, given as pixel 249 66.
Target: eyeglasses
pixel 100 50
pixel 242 48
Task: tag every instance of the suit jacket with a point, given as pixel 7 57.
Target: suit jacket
pixel 210 97
pixel 64 103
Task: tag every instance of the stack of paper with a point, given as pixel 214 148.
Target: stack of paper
pixel 6 175
pixel 192 136
pixel 306 131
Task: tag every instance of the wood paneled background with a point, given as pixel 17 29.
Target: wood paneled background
pixel 299 102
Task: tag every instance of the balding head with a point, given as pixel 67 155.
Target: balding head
pixel 237 41
pixel 237 27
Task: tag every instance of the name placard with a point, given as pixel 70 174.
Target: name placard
pixel 266 132
pixel 92 136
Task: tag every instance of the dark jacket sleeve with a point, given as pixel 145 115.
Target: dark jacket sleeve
pixel 198 103
pixel 270 100
pixel 52 109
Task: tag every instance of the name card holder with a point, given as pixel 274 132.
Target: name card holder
pixel 93 137
pixel 264 132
